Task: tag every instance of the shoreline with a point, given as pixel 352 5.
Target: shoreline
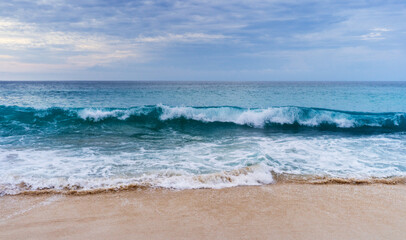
pixel 277 179
pixel 276 211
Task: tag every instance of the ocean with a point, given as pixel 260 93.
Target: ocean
pixel 96 136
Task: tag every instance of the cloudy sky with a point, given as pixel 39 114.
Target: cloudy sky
pixel 274 40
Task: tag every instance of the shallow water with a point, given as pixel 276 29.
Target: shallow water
pixel 95 135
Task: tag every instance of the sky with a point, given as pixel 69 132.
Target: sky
pixel 255 40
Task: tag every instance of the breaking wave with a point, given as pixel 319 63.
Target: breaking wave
pixel 272 117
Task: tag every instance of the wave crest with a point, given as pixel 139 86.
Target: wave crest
pixel 260 118
pixel 272 117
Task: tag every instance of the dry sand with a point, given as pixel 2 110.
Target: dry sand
pixel 281 211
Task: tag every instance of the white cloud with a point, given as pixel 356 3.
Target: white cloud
pixel 23 67
pixel 376 34
pixel 186 37
pixel 78 49
pixel 140 31
pixel 381 29
pixel 81 50
pixel 100 59
pixel 372 36
pixel 356 26
pixel 6 57
pixel 15 35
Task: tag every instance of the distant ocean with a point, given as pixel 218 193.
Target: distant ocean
pixel 92 136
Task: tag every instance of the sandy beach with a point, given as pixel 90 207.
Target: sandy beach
pixel 280 211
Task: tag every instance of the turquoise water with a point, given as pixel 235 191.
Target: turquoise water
pixel 91 135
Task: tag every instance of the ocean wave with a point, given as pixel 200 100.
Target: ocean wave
pixel 272 117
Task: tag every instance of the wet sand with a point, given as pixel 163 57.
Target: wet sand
pixel 280 211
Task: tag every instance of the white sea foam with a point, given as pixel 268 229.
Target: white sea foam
pixel 100 114
pixel 248 176
pixel 216 164
pixel 259 117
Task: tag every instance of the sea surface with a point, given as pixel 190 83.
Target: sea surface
pixel 88 136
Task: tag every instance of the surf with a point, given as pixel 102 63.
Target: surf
pixel 277 118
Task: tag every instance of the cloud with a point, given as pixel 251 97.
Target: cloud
pixel 74 49
pixel 202 36
pixel 372 36
pixel 186 37
pixel 98 59
pixel 6 57
pixel 80 49
pixel 376 34
pixel 22 67
pixel 381 30
pixel 17 35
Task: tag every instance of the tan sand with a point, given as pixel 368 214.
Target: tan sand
pixel 281 211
